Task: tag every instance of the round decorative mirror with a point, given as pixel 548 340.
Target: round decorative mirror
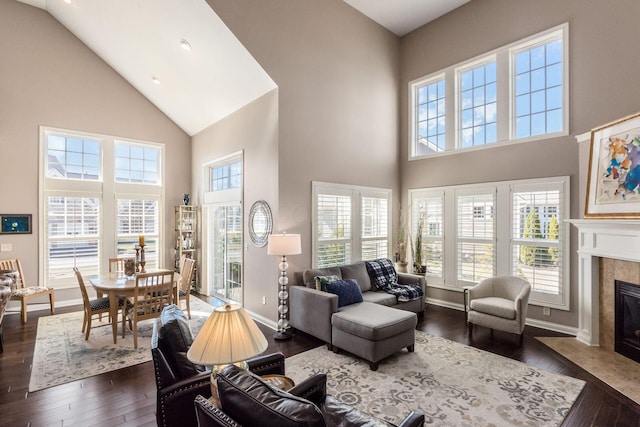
pixel 260 223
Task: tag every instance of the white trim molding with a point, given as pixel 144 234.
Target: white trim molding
pixel 616 239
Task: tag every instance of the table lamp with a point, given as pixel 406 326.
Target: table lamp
pixel 283 244
pixel 229 336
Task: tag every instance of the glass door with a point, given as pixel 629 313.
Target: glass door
pixel 225 254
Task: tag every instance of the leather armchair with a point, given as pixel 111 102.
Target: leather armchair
pixel 178 381
pixel 247 400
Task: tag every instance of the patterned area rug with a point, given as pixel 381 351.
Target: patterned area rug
pixel 452 384
pixel 62 355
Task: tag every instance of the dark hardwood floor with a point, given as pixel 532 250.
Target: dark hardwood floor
pixel 127 396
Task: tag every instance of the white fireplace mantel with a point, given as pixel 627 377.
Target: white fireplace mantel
pixel 617 239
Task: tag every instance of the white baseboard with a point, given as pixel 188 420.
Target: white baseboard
pixel 556 327
pixel 14 306
pixel 267 322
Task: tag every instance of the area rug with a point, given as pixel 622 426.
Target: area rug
pixel 452 384
pixel 62 355
pixel 616 370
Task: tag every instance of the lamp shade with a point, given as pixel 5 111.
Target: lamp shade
pixel 229 335
pixel 284 244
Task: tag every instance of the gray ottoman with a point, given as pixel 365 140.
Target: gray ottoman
pixel 373 331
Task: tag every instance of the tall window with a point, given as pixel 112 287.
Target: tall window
pixel 476 235
pixel 525 235
pixel 99 195
pixel 537 240
pixel 350 224
pixel 515 93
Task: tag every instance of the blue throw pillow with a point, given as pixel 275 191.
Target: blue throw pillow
pixel 347 290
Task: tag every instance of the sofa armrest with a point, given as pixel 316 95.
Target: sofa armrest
pixel 313 388
pixel 413 279
pixel 269 364
pixel 175 402
pixel 414 419
pixel 310 311
pixel 209 415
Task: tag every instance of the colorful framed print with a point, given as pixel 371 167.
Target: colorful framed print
pixel 15 224
pixel 613 186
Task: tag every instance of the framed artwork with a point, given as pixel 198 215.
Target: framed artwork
pixel 15 224
pixel 613 186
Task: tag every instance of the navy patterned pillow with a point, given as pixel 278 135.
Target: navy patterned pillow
pixel 347 290
pixel 382 272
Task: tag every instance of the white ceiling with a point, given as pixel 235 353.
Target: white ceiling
pixel 141 41
pixel 403 16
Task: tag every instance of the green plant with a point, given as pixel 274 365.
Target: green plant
pixel 553 234
pixel 417 253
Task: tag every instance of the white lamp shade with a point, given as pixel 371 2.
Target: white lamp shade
pixel 229 335
pixel 284 244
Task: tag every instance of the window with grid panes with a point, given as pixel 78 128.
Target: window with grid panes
pixel 100 194
pixel 517 92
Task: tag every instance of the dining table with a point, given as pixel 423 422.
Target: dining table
pixel 116 284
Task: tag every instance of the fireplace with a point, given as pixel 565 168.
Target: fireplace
pixel 627 315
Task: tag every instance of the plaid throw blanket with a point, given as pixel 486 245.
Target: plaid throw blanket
pixel 384 276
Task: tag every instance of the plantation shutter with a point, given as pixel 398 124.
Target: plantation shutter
pixel 475 236
pixel 536 239
pixel 428 217
pixel 333 229
pixel 375 227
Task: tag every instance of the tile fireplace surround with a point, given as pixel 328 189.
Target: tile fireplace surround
pixel 617 242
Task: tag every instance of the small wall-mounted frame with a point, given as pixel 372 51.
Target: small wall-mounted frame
pixel 15 224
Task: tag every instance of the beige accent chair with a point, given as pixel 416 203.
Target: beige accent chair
pixel 187 270
pixel 21 291
pixel 499 303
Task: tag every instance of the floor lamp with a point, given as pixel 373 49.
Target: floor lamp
pixel 283 244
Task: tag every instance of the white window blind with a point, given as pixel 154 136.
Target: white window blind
pixel 74 235
pixel 475 236
pixel 537 239
pixel 375 227
pixel 428 223
pixel 136 217
pixel 349 224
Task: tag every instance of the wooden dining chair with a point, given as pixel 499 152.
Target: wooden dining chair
pixel 116 265
pixel 153 292
pixel 184 292
pixel 21 291
pixel 96 306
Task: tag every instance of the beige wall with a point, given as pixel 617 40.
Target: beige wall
pixel 49 78
pixel 254 131
pixel 337 77
pixel 603 54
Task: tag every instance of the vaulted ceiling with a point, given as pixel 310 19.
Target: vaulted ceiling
pixel 184 59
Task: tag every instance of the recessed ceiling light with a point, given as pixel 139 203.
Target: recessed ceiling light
pixel 67 1
pixel 185 44
pixel 155 80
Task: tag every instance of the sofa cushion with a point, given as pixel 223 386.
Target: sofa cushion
pixel 321 281
pixel 251 402
pixel 358 272
pixel 308 276
pixel 494 306
pixel 347 290
pixel 382 272
pixel 381 298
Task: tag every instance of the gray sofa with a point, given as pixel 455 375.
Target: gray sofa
pixel 311 310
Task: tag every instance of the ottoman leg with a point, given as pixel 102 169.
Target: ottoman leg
pixel 373 366
pixel 411 348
